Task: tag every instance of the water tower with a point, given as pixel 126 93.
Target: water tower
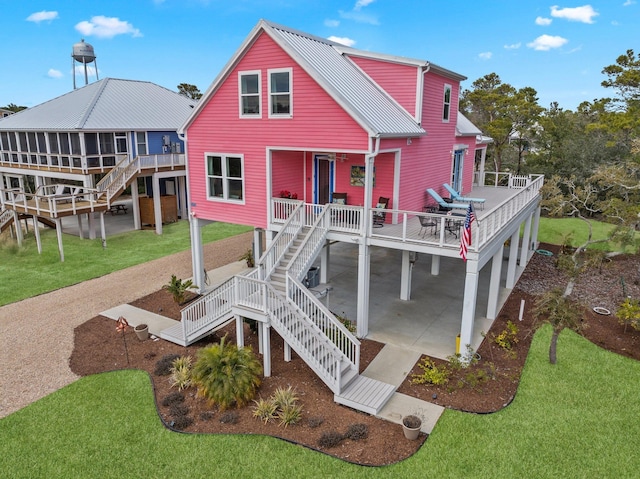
pixel 83 53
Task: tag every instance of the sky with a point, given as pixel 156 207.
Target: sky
pixel 559 49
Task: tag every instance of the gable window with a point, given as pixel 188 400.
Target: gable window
pixel 280 96
pixel 249 86
pixel 446 109
pixel 225 177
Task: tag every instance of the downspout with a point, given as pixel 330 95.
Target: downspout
pixel 374 149
pixel 420 93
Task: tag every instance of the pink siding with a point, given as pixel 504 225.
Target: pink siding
pixel 398 80
pixel 468 166
pixel 288 173
pixel 318 123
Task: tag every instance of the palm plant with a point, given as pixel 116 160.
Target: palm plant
pixel 179 288
pixel 227 375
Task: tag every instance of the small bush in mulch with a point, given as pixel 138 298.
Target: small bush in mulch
pixel 330 439
pixel 173 398
pixel 181 422
pixel 163 366
pixel 207 415
pixel 315 421
pixel 356 432
pixel 229 417
pixel 178 410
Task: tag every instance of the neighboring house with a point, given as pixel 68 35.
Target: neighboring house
pixel 302 117
pixel 75 154
pixel 5 113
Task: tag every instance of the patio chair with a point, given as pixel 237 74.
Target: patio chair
pixel 379 217
pixel 339 198
pixel 429 221
pixel 457 197
pixel 443 204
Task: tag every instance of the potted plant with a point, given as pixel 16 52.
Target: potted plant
pixel 411 425
pixel 142 331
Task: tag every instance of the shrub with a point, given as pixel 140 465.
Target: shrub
pixel 163 366
pixel 330 439
pixel 207 415
pixel 181 372
pixel 431 374
pixel 178 410
pixel 182 422
pixel 227 375
pixel 508 337
pixel 629 314
pixel 178 288
pixel 289 415
pixel 229 417
pixel 265 409
pixel 283 398
pixel 315 421
pixel 173 398
pixel 356 432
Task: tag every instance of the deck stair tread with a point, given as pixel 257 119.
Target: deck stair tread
pixel 366 394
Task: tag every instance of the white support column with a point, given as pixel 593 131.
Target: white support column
pixel 239 331
pixel 325 255
pixel 135 205
pixel 524 248
pixel 494 285
pixel 405 276
pixel 103 230
pixel 80 233
pixel 182 192
pixel 36 231
pixel 469 305
pixel 435 265
pixel 513 259
pixel 157 204
pixel 266 348
pixel 534 231
pixel 257 242
pixel 59 236
pixel 18 227
pixel 364 267
pixel 197 254
pixel 287 352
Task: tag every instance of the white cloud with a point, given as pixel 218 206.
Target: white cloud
pixel 543 21
pixel 485 55
pixel 582 14
pixel 53 73
pixel 106 27
pixel 628 3
pixel 42 16
pixel 513 46
pixel 359 17
pixel 547 42
pixel 362 3
pixel 343 40
pixel 331 23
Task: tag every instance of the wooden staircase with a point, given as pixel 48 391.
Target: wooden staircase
pixel 6 218
pixel 273 293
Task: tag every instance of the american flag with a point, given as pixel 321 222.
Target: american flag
pixel 465 239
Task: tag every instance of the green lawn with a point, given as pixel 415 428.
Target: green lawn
pixel 26 273
pixel 576 419
pixel 555 231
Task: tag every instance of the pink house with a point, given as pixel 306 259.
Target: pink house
pixel 303 139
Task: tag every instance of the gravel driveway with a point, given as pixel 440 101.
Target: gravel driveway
pixel 37 333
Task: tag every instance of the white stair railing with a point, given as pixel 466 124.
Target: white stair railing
pixel 310 247
pixel 5 217
pixel 208 308
pixel 281 243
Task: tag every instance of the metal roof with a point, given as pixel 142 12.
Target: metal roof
pixel 327 63
pixel 108 104
pixel 464 127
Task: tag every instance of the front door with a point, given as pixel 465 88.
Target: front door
pixel 323 169
pixel 456 177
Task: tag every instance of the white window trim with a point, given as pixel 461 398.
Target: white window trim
pixel 225 198
pixel 280 70
pixel 146 143
pixel 444 102
pixel 240 95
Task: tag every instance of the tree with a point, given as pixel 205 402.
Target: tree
pixel 14 108
pixel 190 91
pixel 556 309
pixel 624 76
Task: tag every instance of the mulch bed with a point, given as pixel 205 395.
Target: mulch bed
pixel 99 348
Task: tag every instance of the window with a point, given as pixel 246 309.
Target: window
pixel 224 177
pixel 446 109
pixel 280 102
pixel 91 143
pixel 106 144
pixel 141 143
pixel 121 142
pixel 249 86
pixel 64 144
pixel 75 143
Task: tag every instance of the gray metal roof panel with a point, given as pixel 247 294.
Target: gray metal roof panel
pixel 108 104
pixel 370 105
pixel 464 127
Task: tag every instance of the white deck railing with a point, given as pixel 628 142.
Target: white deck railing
pixel 51 200
pixel 208 308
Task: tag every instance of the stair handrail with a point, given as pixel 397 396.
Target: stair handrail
pixel 116 179
pixel 208 308
pixel 281 243
pixel 312 243
pixel 324 320
pixel 5 217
